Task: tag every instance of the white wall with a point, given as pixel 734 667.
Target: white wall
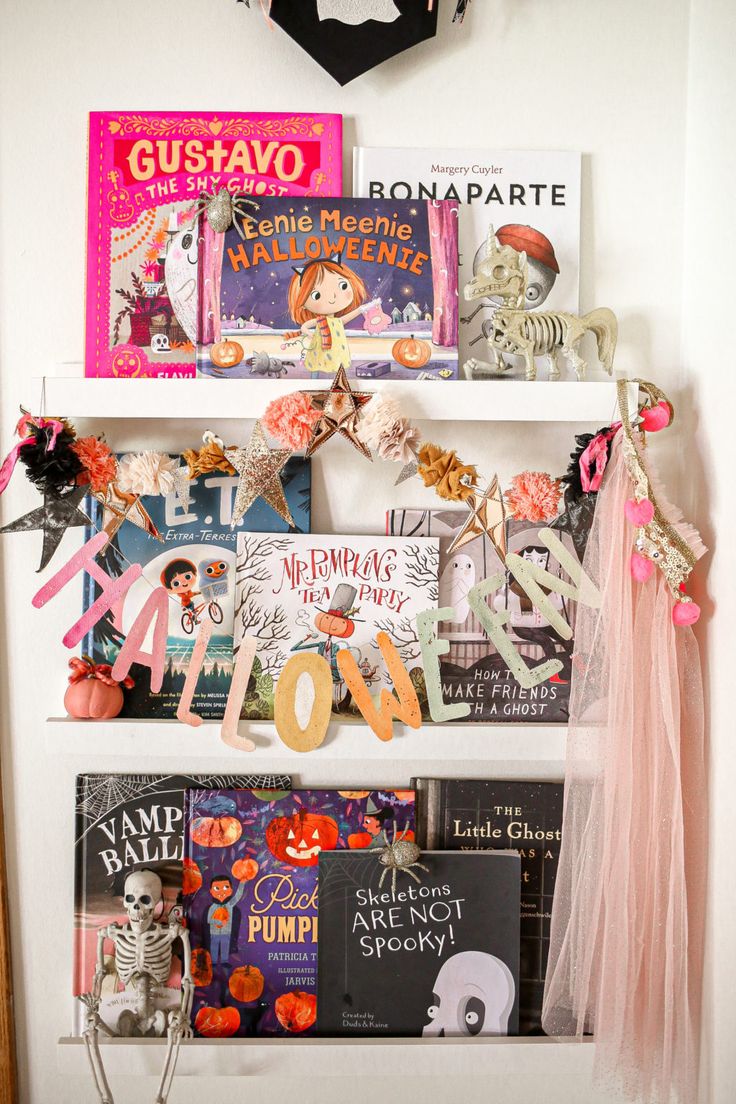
pixel 607 78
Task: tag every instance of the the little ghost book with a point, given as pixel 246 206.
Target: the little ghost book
pixel 438 955
pixel 250 897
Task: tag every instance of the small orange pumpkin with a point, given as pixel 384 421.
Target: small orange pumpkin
pixel 201 967
pixel 411 352
pixel 357 794
pixel 295 1010
pixel 226 353
pixel 191 877
pixel 334 625
pixel 246 983
pixel 358 840
pixel 217 1023
pixel 91 699
pixel 244 869
pixel 216 831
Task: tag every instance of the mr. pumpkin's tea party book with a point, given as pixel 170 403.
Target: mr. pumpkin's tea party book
pixel 150 176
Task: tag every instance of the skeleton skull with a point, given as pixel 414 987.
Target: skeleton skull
pixel 142 895
pixel 473 995
pixel 498 272
pixel 160 343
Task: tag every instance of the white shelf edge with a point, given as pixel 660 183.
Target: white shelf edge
pixel 203 399
pixel 347 1057
pixel 520 742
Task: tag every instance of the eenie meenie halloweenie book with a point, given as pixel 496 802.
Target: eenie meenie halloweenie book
pixel 125 823
pixel 194 559
pixel 147 236
pixel 250 897
pixel 436 955
pixel 305 287
pixel 321 594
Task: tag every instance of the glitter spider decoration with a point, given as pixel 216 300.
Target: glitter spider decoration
pixel 400 854
pixel 221 209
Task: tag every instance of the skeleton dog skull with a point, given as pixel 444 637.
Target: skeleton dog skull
pixel 473 995
pixel 142 895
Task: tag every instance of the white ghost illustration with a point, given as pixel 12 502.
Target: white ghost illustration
pixel 355 12
pixel 181 279
pixel 473 995
pixel 455 583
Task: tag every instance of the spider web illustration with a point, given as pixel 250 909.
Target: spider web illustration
pixel 341 872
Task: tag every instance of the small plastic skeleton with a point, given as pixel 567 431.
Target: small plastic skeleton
pixel 142 961
pixel 400 854
pixel 503 275
pixel 221 209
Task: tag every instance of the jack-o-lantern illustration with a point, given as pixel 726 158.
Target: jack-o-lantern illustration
pixel 217 1023
pixel 216 831
pixel 357 794
pixel 226 354
pixel 334 625
pixel 201 966
pixel 296 1011
pixel 411 352
pixel 246 983
pixel 298 839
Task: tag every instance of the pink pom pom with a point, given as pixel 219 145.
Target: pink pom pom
pixel 290 420
pixel 533 496
pixel 641 567
pixel 639 513
pixel 654 418
pixel 685 613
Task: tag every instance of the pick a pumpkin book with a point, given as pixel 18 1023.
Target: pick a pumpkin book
pixel 250 897
pixel 151 175
pixel 302 287
pixel 321 594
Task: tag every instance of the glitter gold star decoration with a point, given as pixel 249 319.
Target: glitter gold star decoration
pixel 259 467
pixel 339 409
pixel 487 517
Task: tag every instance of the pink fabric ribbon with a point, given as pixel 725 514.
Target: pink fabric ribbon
pixel 593 460
pixel 25 429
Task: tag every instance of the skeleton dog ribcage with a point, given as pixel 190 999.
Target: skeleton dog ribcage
pixel 547 333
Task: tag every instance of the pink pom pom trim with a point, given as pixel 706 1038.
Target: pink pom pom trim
pixel 639 513
pixel 656 417
pixel 641 567
pixel 290 420
pixel 685 613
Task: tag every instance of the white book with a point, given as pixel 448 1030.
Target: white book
pixel 532 199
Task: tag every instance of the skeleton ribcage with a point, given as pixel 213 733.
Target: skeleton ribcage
pixel 547 331
pixel 149 953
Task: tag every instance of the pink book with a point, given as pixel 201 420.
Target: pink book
pixel 147 171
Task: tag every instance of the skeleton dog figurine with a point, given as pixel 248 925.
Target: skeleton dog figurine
pixel 142 961
pixel 503 275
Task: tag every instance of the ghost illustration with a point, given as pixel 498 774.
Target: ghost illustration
pixel 473 995
pixel 355 12
pixel 455 583
pixel 181 279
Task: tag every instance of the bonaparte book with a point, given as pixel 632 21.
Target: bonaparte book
pixel 433 957
pixel 320 594
pixel 473 670
pixel 532 199
pixel 472 815
pixel 250 897
pixel 195 556
pixel 123 823
pixel 301 288
pixel 146 235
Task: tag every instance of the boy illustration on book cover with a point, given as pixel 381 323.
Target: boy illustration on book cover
pixel 250 897
pixel 150 175
pixel 369 285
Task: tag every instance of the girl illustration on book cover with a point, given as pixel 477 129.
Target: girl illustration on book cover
pixel 325 295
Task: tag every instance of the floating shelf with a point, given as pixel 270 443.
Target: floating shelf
pixel 205 399
pixel 497 1056
pixel 471 743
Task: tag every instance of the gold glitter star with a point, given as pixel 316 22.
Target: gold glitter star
pixel 339 414
pixel 487 517
pixel 259 468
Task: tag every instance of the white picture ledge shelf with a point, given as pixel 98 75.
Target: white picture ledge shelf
pixel 205 399
pixel 471 743
pixel 496 1056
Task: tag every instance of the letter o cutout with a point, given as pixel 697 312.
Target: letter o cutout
pixel 284 713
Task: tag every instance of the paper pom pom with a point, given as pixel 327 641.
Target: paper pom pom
pixel 641 567
pixel 146 473
pixel 99 466
pixel 51 465
pixel 290 420
pixel 400 442
pixel 376 419
pixel 533 496
pixel 448 475
pixel 685 613
pixel 209 458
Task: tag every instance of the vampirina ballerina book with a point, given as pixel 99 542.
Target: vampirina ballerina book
pixel 303 287
pixel 145 241
pixel 124 823
pixel 192 553
pixel 250 897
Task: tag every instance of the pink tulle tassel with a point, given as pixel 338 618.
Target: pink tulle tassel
pixel 627 923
